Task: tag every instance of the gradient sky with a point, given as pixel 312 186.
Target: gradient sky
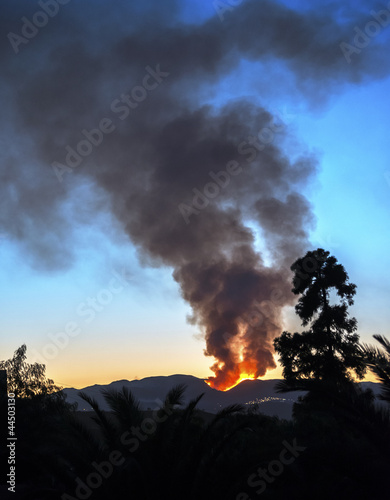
pixel 67 246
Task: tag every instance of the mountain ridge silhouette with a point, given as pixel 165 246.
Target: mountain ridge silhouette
pixel 151 391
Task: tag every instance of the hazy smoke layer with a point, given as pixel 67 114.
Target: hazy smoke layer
pixel 182 178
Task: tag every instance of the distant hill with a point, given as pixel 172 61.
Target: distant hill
pixel 151 391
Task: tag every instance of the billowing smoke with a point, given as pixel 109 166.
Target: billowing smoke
pixel 200 191
pixel 115 98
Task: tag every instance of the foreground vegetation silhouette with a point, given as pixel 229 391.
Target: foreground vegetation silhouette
pixel 336 445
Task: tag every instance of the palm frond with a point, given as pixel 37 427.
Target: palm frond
pixel 189 410
pixel 378 360
pixel 226 412
pixel 124 405
pixel 372 354
pixel 108 428
pixel 84 438
pixel 181 435
pixel 283 386
pixel 175 396
pixel 384 343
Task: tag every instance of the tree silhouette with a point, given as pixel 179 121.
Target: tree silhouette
pixel 26 380
pixel 329 350
pixel 40 407
pixel 336 417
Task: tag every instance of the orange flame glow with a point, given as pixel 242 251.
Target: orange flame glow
pixel 245 368
pixel 242 376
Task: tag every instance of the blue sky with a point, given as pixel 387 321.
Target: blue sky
pixel 142 329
